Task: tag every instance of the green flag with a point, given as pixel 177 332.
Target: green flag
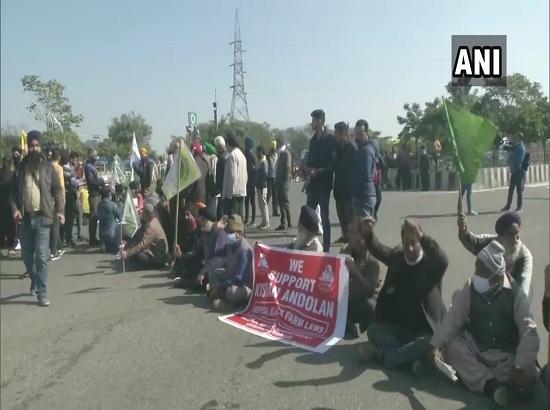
pixel 130 218
pixel 471 137
pixel 189 173
pixel 118 174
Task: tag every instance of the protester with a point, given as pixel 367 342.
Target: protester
pixel 7 226
pixel 221 153
pixel 56 248
pixel 37 196
pixel 188 229
pixel 424 167
pixel 189 263
pixel 144 169
pixel 95 185
pixel 211 189
pixel 342 171
pixel 308 231
pixel 518 258
pixel 489 335
pixel 364 280
pixel 109 215
pixel 517 174
pixel 282 183
pixel 404 169
pixel 229 271
pixel 320 170
pixel 271 173
pixel 71 193
pixel 199 187
pixel 79 174
pixel 261 186
pixel 148 247
pixel 235 178
pixel 363 168
pixel 545 319
pixel 409 305
pixel 250 217
pixel 377 180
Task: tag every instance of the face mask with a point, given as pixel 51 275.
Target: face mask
pixel 414 262
pixel 481 284
pixel 232 237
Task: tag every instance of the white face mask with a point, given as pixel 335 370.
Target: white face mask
pixel 482 285
pixel 231 238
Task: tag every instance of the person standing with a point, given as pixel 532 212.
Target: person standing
pixel 363 168
pixel 271 171
pixel 250 217
pixel 79 174
pixel 55 233
pixel 71 192
pixel 95 185
pixel 320 170
pixel 7 227
pixel 144 169
pixel 378 177
pixel 517 174
pixel 211 191
pixel 282 183
pixel 198 193
pixel 221 153
pixel 261 186
pixel 235 178
pixel 342 193
pixel 424 167
pixel 36 197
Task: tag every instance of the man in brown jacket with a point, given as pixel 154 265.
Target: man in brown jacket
pixel 148 248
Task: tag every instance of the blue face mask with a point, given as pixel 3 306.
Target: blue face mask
pixel 231 237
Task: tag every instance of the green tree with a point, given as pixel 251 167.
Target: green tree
pixel 120 135
pixel 10 136
pixel 53 108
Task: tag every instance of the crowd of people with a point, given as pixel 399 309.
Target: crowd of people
pixel 488 334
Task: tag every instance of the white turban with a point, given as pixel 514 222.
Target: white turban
pixel 219 142
pixel 492 257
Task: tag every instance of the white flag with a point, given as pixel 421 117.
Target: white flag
pixel 135 151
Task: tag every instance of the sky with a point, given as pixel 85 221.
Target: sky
pixel 354 59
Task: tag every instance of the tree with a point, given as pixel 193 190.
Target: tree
pixel 120 135
pixel 10 136
pixel 52 108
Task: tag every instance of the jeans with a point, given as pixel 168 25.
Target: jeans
pixel 262 204
pixel 399 345
pixel 363 206
pixel 425 179
pixel 345 214
pixel 516 182
pixel 55 241
pixel 79 218
pixel 321 198
pixel 467 189
pixel 35 250
pixel 70 211
pixel 272 193
pixel 284 205
pixel 250 202
pixel 378 189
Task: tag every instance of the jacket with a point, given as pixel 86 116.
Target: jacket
pixel 344 156
pixel 369 269
pixel 362 171
pixel 236 259
pixel 322 155
pixel 261 174
pixel 93 181
pixel 519 266
pixel 144 170
pixel 109 213
pixel 250 168
pixel 151 239
pixel 235 176
pixel 516 156
pixel 411 295
pixel 284 164
pixel 51 196
pixel 220 172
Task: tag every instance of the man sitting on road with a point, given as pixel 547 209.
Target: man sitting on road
pixel 308 229
pixel 190 263
pixel 489 335
pixel 364 280
pixel 148 248
pixel 519 261
pixel 409 305
pixel 229 271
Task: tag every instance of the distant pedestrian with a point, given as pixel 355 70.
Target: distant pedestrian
pixel 271 171
pixel 424 167
pixel 363 169
pixel 517 174
pixel 250 202
pixel 95 185
pixel 221 153
pixel 320 170
pixel 261 186
pixel 282 183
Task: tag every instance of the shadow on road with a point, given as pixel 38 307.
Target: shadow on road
pixel 89 290
pixel 198 300
pixel 9 276
pixel 156 285
pixel 11 297
pixel 86 273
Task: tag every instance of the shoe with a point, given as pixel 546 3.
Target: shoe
pixel 56 256
pixel 473 213
pixel 61 252
pixel 280 228
pixel 368 352
pixel 43 302
pixel 505 209
pixel 32 292
pixel 18 246
pixel 177 282
pixel 340 240
pixel 290 226
pixel 12 252
pixel 501 396
pixel 263 227
pixel 351 331
pixel 519 210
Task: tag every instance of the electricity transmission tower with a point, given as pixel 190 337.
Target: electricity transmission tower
pixel 239 107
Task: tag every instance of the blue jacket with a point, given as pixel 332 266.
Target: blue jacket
pixel 109 213
pixel 93 181
pixel 236 258
pixel 362 171
pixel 517 154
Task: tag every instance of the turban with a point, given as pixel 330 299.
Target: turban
pixel 505 222
pixel 309 220
pixel 34 136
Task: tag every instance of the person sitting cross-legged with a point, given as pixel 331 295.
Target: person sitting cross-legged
pixel 364 281
pixel 229 271
pixel 148 247
pixel 109 215
pixel 410 301
pixel 308 231
pixel 489 335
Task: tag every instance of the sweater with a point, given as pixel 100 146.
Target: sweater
pixel 235 175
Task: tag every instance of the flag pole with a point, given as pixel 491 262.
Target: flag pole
pixel 458 163
pixel 123 261
pixel 177 202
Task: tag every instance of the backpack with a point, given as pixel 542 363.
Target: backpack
pixel 526 161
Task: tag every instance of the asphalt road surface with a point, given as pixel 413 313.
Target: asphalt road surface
pixel 120 341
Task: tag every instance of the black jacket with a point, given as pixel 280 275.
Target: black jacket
pixel 344 155
pixel 322 155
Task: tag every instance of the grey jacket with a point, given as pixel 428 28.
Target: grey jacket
pixel 51 192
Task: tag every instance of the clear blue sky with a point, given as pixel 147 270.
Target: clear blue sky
pixel 163 58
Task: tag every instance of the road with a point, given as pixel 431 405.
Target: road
pixel 113 340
